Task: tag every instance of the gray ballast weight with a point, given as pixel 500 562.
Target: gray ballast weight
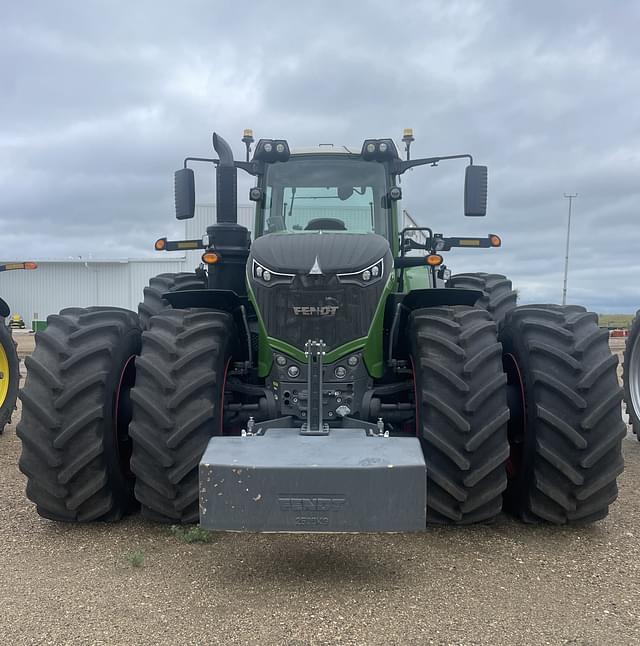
pixel 348 480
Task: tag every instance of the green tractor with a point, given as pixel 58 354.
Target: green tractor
pixel 9 361
pixel 330 375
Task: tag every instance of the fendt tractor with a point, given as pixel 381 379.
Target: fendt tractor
pixel 631 375
pixel 328 375
pixel 9 361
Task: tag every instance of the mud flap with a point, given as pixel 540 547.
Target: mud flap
pixel 348 480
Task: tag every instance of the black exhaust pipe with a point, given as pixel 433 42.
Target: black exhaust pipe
pixel 227 237
pixel 226 182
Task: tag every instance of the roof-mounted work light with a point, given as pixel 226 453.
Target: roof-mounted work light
pixel 272 150
pixel 379 150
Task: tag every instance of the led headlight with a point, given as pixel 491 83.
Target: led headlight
pixel 268 276
pixel 367 275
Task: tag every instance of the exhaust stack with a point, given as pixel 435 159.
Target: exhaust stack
pixel 226 182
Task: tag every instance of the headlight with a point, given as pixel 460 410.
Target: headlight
pixel 267 276
pixel 366 276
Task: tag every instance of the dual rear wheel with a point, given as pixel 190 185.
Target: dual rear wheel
pixel 530 416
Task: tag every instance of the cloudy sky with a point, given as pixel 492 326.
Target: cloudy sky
pixel 100 101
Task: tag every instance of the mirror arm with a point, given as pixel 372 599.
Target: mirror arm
pixel 400 167
pixel 247 167
pixel 199 159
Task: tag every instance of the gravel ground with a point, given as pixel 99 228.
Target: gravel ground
pixel 502 584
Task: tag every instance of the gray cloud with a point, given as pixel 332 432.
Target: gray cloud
pixel 100 103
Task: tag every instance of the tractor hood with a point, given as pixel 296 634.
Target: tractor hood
pixel 296 253
pixel 315 285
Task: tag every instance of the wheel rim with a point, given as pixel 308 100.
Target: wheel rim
pixel 516 427
pixel 122 415
pixel 633 375
pixel 5 377
pixel 222 393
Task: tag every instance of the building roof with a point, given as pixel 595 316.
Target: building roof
pixel 166 257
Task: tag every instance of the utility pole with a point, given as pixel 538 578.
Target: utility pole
pixel 570 197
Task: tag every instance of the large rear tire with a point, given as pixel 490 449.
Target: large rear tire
pixel 631 375
pixel 153 303
pixel 9 375
pixel 498 296
pixel 566 446
pixel 177 408
pixel 75 415
pixel 462 412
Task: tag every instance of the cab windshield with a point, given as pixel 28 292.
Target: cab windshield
pixel 324 193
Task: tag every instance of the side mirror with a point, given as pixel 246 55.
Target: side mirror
pixel 185 193
pixel 475 191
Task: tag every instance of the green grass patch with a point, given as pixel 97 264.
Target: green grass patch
pixel 615 320
pixel 192 534
pixel 135 558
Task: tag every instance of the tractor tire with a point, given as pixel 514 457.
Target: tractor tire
pixel 9 375
pixel 498 296
pixel 566 438
pixel 631 375
pixel 177 407
pixel 462 414
pixel 75 415
pixel 153 303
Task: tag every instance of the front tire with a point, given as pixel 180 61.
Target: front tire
pixel 566 450
pixel 75 415
pixel 9 375
pixel 177 408
pixel 462 412
pixel 632 375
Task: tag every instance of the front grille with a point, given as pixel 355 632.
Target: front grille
pixel 315 297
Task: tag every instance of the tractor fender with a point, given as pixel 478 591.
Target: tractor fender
pixel 419 298
pixel 215 299
pixel 4 309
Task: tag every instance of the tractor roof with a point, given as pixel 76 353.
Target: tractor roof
pixel 327 149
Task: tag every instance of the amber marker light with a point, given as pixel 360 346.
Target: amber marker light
pixel 433 260
pixel 210 258
pixel 160 244
pixel 495 240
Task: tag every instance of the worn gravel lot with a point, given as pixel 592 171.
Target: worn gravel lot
pixel 503 584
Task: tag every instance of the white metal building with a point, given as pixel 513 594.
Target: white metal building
pixel 59 283
pixel 119 282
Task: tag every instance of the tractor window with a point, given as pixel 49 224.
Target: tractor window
pixel 325 193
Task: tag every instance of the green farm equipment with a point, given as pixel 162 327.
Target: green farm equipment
pixel 330 375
